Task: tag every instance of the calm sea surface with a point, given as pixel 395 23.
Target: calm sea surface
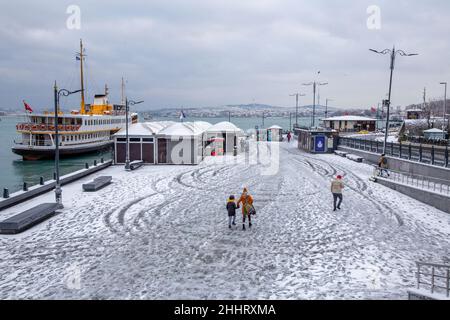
pixel 14 171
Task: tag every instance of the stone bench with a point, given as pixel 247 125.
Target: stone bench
pixel 354 157
pixel 28 218
pixel 340 153
pixel 97 184
pixel 136 164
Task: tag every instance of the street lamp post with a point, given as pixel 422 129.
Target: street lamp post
pixel 326 107
pixel 445 106
pixel 128 103
pixel 296 95
pixel 393 53
pixel 314 84
pixel 57 94
pixel 290 121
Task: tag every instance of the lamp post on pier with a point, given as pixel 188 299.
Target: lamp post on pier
pixel 296 95
pixel 326 107
pixel 393 53
pixel 445 106
pixel 128 103
pixel 315 85
pixel 57 94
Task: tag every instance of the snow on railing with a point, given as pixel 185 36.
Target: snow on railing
pixel 435 277
pixel 434 155
pixel 422 182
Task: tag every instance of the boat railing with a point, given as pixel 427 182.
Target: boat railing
pixel 45 127
pixel 34 143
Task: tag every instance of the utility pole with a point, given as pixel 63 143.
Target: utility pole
pixel 378 115
pixel 424 105
pixel 315 85
pixel 445 106
pixel 326 107
pixel 393 53
pixel 296 95
pixel 290 121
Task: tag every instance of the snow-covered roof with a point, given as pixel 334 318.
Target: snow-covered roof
pixel 434 130
pixel 276 127
pixel 224 127
pixel 182 129
pixel 145 128
pixel 203 125
pixel 349 118
pixel 136 129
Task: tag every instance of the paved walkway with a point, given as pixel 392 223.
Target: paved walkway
pixel 161 232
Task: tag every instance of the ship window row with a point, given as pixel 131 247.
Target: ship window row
pixel 51 121
pixel 81 137
pixel 94 122
pixel 76 121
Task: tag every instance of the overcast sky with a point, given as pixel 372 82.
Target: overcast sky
pixel 196 53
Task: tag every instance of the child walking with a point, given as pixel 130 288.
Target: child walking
pixel 231 208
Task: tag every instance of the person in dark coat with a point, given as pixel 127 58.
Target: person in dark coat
pixel 383 165
pixel 231 208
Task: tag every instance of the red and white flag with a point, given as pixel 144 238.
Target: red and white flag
pixel 373 109
pixel 27 107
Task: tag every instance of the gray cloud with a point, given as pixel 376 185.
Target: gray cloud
pixel 207 53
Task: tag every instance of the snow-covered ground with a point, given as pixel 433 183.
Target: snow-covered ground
pixel 161 232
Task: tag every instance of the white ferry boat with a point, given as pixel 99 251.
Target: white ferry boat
pixel 86 130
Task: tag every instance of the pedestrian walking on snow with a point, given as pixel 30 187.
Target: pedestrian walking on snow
pixel 246 200
pixel 289 137
pixel 336 189
pixel 231 208
pixel 383 165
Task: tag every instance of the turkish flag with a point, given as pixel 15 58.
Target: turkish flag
pixel 373 109
pixel 27 107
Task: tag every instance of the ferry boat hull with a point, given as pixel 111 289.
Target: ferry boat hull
pixel 33 153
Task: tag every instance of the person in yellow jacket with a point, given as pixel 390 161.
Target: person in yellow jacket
pixel 247 204
pixel 336 189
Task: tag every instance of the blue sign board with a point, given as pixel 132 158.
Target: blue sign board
pixel 319 144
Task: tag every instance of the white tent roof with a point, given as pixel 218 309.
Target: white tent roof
pixel 224 127
pixel 349 118
pixel 276 127
pixel 182 129
pixel 202 125
pixel 136 129
pixel 144 129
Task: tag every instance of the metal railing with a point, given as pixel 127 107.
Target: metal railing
pixel 422 182
pixel 436 277
pixel 430 154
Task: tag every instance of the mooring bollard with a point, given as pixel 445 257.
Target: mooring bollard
pixel 86 165
pixel 95 162
pixel 54 175
pixel 101 160
pixel 25 186
pixel 41 181
pixel 5 193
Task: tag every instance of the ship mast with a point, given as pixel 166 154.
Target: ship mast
pixel 81 58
